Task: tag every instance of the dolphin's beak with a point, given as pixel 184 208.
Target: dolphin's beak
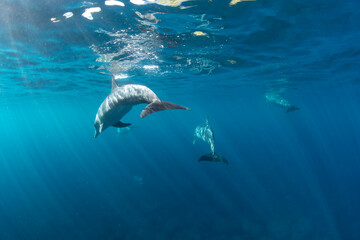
pixel 97 132
pixel 98 129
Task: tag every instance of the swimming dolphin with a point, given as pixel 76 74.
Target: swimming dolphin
pixel 278 100
pixel 213 157
pixel 120 101
pixel 205 133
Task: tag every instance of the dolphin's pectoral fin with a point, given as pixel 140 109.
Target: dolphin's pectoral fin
pixel 292 108
pixel 98 129
pixel 121 124
pixel 160 106
pixel 114 84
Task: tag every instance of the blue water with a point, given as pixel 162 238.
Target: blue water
pixel 290 175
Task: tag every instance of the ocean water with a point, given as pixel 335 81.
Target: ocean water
pixel 291 175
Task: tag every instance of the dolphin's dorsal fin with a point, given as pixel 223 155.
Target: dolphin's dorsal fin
pixel 114 84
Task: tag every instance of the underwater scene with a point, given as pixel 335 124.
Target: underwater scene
pixel 180 119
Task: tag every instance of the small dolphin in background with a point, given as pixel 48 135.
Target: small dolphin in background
pixel 278 100
pixel 206 133
pixel 120 101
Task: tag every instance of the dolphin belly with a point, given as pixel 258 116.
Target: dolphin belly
pixel 115 114
pixel 109 116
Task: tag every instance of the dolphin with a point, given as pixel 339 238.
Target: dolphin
pixel 278 100
pixel 213 157
pixel 120 101
pixel 205 133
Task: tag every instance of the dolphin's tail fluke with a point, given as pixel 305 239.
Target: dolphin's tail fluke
pixel 213 158
pixel 292 108
pixel 160 106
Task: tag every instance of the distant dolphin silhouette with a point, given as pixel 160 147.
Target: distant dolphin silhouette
pixel 120 101
pixel 278 100
pixel 213 158
pixel 205 133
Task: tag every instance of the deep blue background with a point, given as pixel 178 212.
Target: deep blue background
pixel 290 175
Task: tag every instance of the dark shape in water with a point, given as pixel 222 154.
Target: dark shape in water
pixel 120 124
pixel 292 108
pixel 213 158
